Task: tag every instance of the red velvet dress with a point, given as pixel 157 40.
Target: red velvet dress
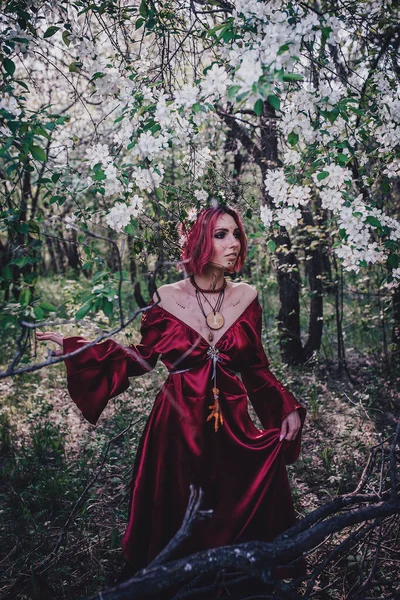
pixel 240 468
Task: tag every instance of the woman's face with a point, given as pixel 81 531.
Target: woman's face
pixel 226 242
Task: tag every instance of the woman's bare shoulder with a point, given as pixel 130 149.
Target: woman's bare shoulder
pixel 244 291
pixel 167 292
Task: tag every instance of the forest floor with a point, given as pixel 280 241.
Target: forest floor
pixel 49 454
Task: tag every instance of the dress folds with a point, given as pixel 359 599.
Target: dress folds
pixel 240 468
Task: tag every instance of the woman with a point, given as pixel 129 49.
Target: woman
pixel 207 331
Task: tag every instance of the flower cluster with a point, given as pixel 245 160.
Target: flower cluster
pixel 286 199
pixel 148 179
pixel 120 214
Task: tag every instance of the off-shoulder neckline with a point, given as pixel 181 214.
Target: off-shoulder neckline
pixel 202 338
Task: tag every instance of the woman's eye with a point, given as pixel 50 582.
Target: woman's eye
pixel 237 234
pixel 220 235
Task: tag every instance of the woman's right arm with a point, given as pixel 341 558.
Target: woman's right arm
pixel 102 371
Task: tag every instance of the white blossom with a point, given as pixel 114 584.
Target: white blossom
pixel 266 215
pixel 284 193
pixel 288 217
pixel 121 213
pixel 147 179
pixel 118 217
pixel 201 195
pixel 393 168
pixel 70 222
pixel 10 104
pixel 335 179
pixel 215 82
pixel 149 146
pixel 99 153
pixel 187 95
pixel 250 70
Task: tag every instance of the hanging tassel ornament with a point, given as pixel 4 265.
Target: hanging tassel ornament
pixel 216 410
pixel 216 413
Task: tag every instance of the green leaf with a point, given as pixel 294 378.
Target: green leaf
pixel 373 221
pixel 342 159
pixel 391 244
pixel 107 307
pixel 99 175
pixel 232 91
pixel 139 22
pixel 227 34
pixel 65 37
pixel 83 311
pixel 25 297
pixel 271 246
pixel 75 66
pixel 55 177
pixel 22 84
pixel 59 199
pixel 144 9
pixel 38 312
pixel 6 274
pixel 326 31
pixel 38 153
pixel 283 49
pixel 47 307
pixel 293 138
pixel 258 107
pixel 274 101
pixel 385 187
pixel 196 108
pixel 331 115
pixel 322 175
pixel 393 261
pixel 21 262
pixel 50 31
pixel 292 77
pixel 9 66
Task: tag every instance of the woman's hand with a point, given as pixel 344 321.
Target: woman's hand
pixel 52 337
pixel 290 426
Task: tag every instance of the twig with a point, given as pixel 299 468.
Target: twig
pixel 192 515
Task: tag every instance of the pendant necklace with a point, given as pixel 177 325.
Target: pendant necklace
pixel 215 320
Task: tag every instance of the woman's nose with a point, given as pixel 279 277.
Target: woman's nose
pixel 234 242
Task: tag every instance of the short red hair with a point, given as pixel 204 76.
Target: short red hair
pixel 198 249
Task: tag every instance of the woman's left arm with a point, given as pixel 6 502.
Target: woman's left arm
pixel 275 405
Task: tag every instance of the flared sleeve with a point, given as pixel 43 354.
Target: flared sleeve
pixel 271 400
pixel 102 371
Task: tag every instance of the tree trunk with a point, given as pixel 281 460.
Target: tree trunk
pixel 132 262
pixel 288 275
pixel 289 313
pixel 53 259
pixel 396 325
pixel 266 157
pixel 313 266
pixel 71 252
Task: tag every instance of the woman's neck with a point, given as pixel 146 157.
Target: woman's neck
pixel 212 278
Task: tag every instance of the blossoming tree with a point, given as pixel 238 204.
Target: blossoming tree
pixel 125 115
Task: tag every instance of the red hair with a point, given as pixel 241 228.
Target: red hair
pixel 199 246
